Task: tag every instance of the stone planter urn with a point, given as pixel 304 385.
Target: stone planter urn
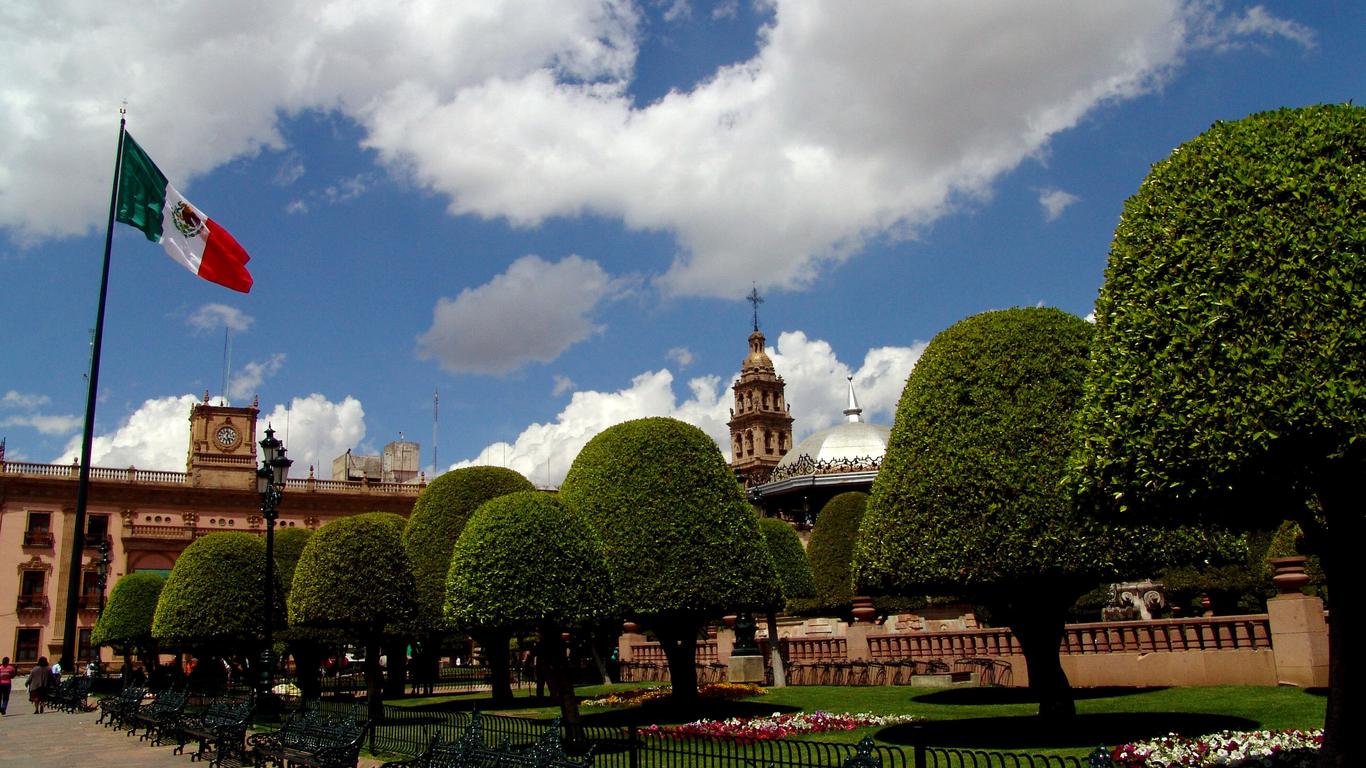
pixel 1290 577
pixel 863 609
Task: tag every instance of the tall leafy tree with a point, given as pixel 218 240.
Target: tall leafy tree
pixel 1229 376
pixel 353 576
pixel 794 577
pixel 126 623
pixel 213 601
pixel 524 564
pixel 439 515
pixel 682 544
pixel 831 550
pixel 970 499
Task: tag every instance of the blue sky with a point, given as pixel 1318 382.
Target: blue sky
pixel 551 211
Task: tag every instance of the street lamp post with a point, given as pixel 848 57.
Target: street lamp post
pixel 270 482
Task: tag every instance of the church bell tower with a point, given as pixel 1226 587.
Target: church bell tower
pixel 760 422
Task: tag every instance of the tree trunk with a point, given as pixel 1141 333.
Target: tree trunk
pixel 307 656
pixel 495 646
pixel 374 681
pixel 1337 547
pixel 679 642
pixel 396 673
pixel 1039 627
pixel 552 658
pixel 775 652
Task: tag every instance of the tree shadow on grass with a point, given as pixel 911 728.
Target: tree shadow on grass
pixel 1023 733
pixel 987 696
pixel 663 711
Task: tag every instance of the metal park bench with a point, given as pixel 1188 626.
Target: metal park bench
pixel 310 738
pixel 159 716
pixel 117 711
pixel 221 730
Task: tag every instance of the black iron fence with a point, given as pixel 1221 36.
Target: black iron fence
pixel 408 730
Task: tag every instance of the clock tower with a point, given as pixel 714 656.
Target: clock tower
pixel 222 446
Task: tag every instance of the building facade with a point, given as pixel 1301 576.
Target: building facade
pixel 145 519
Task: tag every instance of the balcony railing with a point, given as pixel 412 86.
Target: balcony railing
pixel 32 603
pixel 90 602
pixel 40 539
pixel 133 475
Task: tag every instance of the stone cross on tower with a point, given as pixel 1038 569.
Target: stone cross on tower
pixel 756 300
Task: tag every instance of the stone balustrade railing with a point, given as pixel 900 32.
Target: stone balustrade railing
pixel 161 477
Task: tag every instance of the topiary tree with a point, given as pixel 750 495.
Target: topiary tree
pixel 1229 371
pixel 126 623
pixel 289 544
pixel 681 543
pixel 794 578
pixel 438 517
pixel 524 564
pixel 353 576
pixel 789 558
pixel 969 499
pixel 831 550
pixel 212 601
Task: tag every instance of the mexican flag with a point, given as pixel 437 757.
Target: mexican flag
pixel 149 203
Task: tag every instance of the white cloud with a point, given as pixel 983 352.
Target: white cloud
pixel 1231 32
pixel 852 121
pixel 248 381
pixel 1054 202
pixel 15 399
pixel 531 313
pixel 211 317
pixel 315 431
pixel 47 425
pixel 155 436
pixel 816 388
pixel 680 356
pixel 562 385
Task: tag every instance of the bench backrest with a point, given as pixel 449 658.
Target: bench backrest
pixel 227 711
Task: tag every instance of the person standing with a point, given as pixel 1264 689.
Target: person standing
pixel 39 678
pixel 7 673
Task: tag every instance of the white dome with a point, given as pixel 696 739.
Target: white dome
pixel 852 442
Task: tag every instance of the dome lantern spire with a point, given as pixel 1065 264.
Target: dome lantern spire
pixel 852 412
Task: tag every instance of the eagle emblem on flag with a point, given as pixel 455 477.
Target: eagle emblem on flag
pixel 187 219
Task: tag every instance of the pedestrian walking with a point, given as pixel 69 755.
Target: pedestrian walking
pixel 7 673
pixel 39 678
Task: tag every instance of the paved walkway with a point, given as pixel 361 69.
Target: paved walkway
pixel 62 740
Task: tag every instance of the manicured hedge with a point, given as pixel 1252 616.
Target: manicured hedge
pixel 353 575
pixel 678 535
pixel 438 517
pixel 127 617
pixel 523 562
pixel 831 549
pixel 213 597
pixel 789 558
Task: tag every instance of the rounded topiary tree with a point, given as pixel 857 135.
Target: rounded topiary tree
pixel 353 576
pixel 789 558
pixel 213 600
pixel 289 544
pixel 970 498
pixel 524 564
pixel 794 578
pixel 831 550
pixel 681 543
pixel 438 517
pixel 126 623
pixel 1229 376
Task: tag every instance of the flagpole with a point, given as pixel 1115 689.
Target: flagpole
pixel 73 581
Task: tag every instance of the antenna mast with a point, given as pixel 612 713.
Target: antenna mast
pixel 436 418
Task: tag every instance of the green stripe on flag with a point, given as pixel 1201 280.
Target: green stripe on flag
pixel 142 190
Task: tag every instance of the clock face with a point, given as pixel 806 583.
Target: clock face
pixel 226 437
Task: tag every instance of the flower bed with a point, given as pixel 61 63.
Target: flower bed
pixel 1226 748
pixel 776 726
pixel 722 691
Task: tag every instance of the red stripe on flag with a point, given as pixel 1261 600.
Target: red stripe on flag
pixel 224 260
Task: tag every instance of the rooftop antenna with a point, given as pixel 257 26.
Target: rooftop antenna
pixel 227 361
pixel 436 411
pixel 756 300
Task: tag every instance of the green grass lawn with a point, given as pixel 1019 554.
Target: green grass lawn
pixel 979 718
